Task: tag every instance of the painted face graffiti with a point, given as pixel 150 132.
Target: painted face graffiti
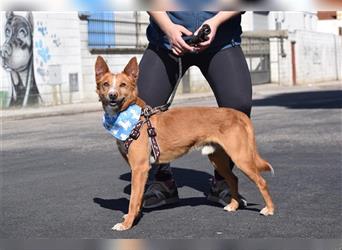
pixel 17 58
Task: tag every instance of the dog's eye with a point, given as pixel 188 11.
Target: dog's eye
pixel 22 33
pixel 8 32
pixel 123 84
pixel 106 84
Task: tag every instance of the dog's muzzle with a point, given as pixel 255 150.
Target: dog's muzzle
pixel 114 102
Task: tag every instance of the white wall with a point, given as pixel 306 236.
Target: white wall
pixel 329 26
pixel 56 41
pixel 318 56
pixel 254 21
pixel 247 21
pixel 281 68
pixel 293 20
pixel 64 28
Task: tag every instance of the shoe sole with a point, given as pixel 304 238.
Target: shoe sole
pixel 162 203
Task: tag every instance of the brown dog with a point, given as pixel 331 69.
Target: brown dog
pixel 228 131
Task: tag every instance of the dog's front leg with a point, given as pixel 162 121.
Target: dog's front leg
pixel 139 179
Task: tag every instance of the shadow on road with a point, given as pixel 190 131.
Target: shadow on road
pixel 330 99
pixel 122 204
pixel 195 179
pixel 192 178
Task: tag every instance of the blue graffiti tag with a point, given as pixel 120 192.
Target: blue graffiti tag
pixel 43 52
pixel 42 29
pixel 56 40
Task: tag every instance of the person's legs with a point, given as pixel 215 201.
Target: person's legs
pixel 158 74
pixel 229 77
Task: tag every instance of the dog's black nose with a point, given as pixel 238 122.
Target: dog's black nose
pixel 113 95
pixel 6 51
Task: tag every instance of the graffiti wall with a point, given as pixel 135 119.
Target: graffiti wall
pixel 40 54
pixel 17 58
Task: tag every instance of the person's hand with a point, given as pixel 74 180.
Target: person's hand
pixel 213 23
pixel 174 33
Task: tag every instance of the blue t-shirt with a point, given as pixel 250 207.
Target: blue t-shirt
pixel 228 33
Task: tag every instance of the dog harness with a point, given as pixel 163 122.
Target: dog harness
pixel 147 112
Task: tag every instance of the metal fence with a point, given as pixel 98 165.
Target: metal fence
pixel 107 32
pixel 257 52
pixel 120 36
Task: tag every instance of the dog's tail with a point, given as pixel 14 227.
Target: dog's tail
pixel 263 165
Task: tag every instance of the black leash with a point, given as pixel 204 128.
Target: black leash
pixel 193 40
pixel 166 106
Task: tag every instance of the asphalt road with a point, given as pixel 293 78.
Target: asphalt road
pixel 62 177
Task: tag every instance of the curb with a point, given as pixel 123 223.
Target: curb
pixel 259 91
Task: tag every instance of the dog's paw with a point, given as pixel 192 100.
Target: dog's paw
pixel 124 216
pixel 266 212
pixel 230 208
pixel 119 227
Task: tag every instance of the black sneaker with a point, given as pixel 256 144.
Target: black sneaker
pixel 159 194
pixel 220 193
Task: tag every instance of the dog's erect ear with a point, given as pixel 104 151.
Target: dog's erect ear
pixel 29 17
pixel 132 68
pixel 9 15
pixel 101 68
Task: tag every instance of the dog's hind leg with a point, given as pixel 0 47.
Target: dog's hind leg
pixel 247 164
pixel 220 161
pixel 254 174
pixel 239 144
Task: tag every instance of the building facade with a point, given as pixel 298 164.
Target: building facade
pixel 48 58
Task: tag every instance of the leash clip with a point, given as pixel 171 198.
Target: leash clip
pixel 147 111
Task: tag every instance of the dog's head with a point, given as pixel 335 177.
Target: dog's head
pixel 17 48
pixel 116 91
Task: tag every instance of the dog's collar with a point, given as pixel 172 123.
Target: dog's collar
pixel 121 125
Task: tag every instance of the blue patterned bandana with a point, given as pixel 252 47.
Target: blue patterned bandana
pixel 121 125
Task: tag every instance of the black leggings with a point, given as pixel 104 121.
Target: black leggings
pixel 225 70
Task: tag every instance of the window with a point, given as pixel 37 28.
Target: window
pixel 115 32
pixel 101 30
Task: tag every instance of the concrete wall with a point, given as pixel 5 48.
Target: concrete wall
pixel 329 26
pixel 280 62
pixel 318 56
pixel 56 43
pixel 293 20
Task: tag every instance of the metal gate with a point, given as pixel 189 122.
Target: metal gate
pixel 257 53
